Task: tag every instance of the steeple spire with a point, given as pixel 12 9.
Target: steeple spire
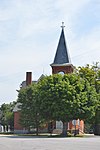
pixel 62 56
pixel 62 61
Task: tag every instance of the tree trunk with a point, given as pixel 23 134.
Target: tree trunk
pixel 37 130
pixel 65 127
pixel 37 127
pixel 37 124
pixel 75 131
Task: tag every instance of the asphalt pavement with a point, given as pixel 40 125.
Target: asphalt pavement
pixel 41 143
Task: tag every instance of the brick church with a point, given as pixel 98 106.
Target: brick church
pixel 62 65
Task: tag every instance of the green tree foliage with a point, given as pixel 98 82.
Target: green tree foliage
pixel 92 75
pixel 57 97
pixel 67 97
pixel 7 117
pixel 61 97
pixel 30 114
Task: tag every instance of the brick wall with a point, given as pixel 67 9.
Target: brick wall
pixel 17 125
pixel 65 69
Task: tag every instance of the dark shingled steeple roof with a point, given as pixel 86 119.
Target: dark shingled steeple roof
pixel 61 56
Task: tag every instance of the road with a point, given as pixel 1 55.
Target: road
pixel 33 143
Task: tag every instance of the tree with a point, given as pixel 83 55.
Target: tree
pixel 97 86
pixel 30 114
pixel 92 75
pixel 7 117
pixel 60 97
pixel 66 98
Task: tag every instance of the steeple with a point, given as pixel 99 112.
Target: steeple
pixel 61 57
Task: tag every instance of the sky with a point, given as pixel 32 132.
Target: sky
pixel 29 35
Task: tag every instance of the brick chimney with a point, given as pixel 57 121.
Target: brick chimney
pixel 28 78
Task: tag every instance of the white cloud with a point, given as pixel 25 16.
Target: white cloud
pixel 29 34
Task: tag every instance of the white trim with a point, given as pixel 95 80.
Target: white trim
pixel 66 64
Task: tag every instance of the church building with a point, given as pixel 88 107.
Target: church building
pixel 61 65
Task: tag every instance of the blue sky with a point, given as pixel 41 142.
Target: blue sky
pixel 29 34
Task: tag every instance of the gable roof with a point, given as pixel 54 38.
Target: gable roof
pixel 62 56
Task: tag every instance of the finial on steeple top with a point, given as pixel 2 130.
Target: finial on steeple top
pixel 62 25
